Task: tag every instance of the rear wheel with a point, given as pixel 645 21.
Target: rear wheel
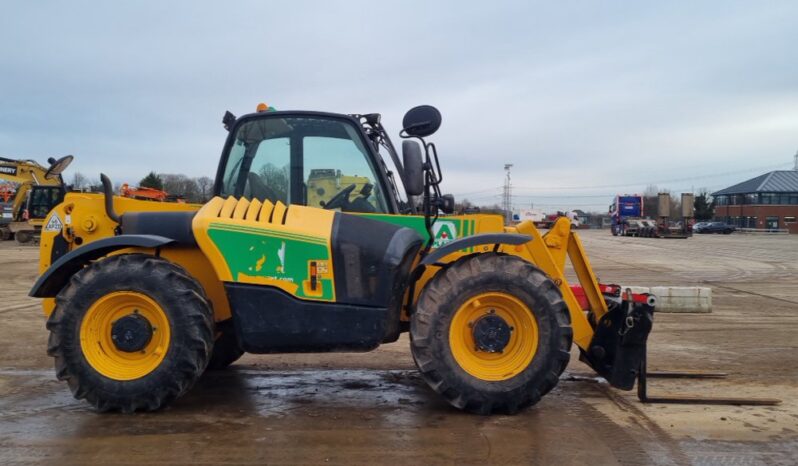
pixel 491 334
pixel 130 332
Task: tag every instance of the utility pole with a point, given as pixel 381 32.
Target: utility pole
pixel 796 161
pixel 507 204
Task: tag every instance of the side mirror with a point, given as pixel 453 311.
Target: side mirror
pixel 57 166
pixel 421 121
pixel 413 168
pixel 446 204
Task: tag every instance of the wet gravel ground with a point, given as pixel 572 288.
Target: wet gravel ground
pixel 373 408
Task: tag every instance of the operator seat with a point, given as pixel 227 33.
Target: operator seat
pixel 260 190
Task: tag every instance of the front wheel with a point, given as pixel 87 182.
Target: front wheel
pixel 130 332
pixel 491 334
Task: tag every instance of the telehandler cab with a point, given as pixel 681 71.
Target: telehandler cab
pixel 308 246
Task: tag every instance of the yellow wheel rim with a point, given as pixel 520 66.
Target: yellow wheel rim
pixel 97 342
pixel 519 350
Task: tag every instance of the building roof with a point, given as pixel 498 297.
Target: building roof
pixel 779 181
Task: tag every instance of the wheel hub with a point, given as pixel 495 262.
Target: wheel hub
pixel 491 333
pixel 131 333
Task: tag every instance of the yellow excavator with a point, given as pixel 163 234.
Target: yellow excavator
pixel 38 190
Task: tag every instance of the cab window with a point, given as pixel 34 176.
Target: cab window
pixel 43 199
pixel 315 161
pixel 268 177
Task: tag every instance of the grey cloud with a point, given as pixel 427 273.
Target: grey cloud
pixel 571 93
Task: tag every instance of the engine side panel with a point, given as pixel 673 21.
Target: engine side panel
pixel 286 248
pixel 309 253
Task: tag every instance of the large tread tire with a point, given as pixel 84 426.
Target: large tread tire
pixel 226 349
pixel 445 294
pixel 191 325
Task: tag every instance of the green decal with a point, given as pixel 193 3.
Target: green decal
pixel 444 230
pixel 277 258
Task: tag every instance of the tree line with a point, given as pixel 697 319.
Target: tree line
pixel 196 190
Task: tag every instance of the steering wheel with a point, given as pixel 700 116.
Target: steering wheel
pixel 341 199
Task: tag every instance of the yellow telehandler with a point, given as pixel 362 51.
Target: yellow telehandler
pixel 308 246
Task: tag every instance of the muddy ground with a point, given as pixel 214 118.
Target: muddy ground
pixel 373 408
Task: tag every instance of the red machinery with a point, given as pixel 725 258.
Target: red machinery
pixel 6 192
pixel 148 194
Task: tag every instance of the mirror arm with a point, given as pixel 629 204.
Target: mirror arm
pixel 430 208
pixel 431 149
pixel 428 220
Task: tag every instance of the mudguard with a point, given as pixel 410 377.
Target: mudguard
pixel 474 240
pixel 58 274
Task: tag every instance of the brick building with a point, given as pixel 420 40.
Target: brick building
pixel 769 201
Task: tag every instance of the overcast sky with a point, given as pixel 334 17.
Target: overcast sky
pixel 602 96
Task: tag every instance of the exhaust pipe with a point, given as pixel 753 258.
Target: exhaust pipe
pixel 108 191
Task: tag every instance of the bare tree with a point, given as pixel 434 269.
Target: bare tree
pixel 651 203
pixel 464 206
pixel 492 209
pixel 93 185
pixel 79 181
pixel 204 187
pixel 180 185
pixel 276 178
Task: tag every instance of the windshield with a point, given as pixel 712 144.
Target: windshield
pixel 303 160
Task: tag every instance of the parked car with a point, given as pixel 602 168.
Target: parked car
pixel 713 227
pixel 698 225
